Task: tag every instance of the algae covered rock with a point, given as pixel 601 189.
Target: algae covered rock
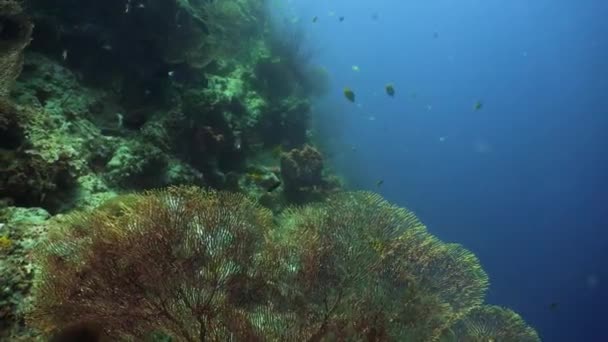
pixel 20 229
pixel 303 176
pixel 15 34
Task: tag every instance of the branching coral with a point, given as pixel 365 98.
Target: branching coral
pixel 15 33
pixel 493 323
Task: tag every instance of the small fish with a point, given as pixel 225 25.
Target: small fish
pixel 478 105
pixel 390 90
pixel 442 139
pixel 349 94
pixel 171 73
pixel 554 306
pixel 274 186
pixel 314 19
pixel 355 68
pixel 107 47
pixel 375 16
pixel 64 54
pixel 379 183
pixel 141 6
pixel 341 19
pixel 372 118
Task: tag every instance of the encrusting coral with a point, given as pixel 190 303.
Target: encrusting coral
pixel 197 264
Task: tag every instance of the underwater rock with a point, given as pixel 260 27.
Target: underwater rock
pixel 302 168
pixel 15 35
pixel 32 172
pixel 21 229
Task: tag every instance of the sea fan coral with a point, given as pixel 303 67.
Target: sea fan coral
pixel 367 269
pixel 204 265
pixel 493 323
pixel 180 261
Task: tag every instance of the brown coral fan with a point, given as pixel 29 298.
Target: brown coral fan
pixel 180 261
pixel 205 265
pixel 367 269
pixel 493 323
pixel 15 34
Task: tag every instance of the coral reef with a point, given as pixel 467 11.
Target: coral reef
pixel 15 33
pixel 116 96
pixel 195 264
pixel 118 106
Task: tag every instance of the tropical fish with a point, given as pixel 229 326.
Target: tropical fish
pixel 554 306
pixel 379 183
pixel 349 94
pixel 277 151
pixel 314 19
pixel 341 19
pixel 478 105
pixel 273 187
pixel 355 68
pixel 390 90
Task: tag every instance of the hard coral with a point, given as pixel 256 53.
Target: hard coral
pixel 15 34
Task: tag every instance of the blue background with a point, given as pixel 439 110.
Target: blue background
pixel 523 181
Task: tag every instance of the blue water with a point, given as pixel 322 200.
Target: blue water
pixel 522 182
